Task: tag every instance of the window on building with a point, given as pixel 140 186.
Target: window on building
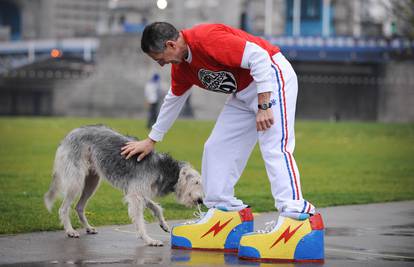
pixel 309 9
pixel 310 21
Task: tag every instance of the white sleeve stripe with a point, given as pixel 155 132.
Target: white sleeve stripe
pixel 259 62
pixel 169 112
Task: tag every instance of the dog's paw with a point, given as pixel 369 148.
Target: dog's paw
pixel 72 234
pixel 91 231
pixel 165 227
pixel 154 243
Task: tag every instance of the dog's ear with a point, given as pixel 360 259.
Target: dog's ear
pixel 179 188
pixel 184 171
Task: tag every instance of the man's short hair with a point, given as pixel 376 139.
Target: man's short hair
pixel 155 36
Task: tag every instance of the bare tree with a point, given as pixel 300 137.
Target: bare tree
pixel 403 13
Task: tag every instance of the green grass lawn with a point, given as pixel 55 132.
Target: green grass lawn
pixel 340 163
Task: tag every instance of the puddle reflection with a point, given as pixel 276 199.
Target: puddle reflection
pixel 206 258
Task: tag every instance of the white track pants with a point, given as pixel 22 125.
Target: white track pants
pixel 234 136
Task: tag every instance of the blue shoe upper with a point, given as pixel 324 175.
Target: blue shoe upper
pixel 311 246
pixel 233 239
pixel 179 241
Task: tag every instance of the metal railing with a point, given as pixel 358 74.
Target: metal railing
pixel 343 48
pixel 18 54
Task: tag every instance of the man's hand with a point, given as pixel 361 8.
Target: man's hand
pixel 142 148
pixel 264 119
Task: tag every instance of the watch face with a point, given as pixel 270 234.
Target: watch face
pixel 263 106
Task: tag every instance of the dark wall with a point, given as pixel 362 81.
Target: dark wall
pixel 37 103
pixel 26 96
pixel 337 91
pixel 30 90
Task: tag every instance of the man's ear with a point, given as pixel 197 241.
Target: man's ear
pixel 171 43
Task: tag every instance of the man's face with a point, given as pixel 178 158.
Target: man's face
pixel 170 55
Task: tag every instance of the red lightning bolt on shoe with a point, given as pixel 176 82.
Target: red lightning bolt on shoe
pixel 217 228
pixel 286 235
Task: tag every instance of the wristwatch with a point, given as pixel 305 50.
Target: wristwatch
pixel 264 106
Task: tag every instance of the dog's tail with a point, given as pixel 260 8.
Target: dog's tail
pixel 51 195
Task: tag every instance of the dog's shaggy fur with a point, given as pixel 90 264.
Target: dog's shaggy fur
pixel 90 153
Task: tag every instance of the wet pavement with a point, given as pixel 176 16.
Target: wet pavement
pixel 361 235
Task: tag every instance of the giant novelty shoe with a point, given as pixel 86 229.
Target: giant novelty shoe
pixel 217 230
pixel 291 240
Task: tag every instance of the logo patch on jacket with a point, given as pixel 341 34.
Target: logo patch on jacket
pixel 218 81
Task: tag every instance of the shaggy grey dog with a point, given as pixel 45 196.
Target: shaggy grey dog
pixel 90 153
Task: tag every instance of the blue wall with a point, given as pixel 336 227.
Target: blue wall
pixel 10 16
pixel 310 17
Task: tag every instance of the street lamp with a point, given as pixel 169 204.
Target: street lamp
pixel 55 53
pixel 162 4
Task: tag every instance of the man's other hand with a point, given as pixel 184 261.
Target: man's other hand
pixel 142 148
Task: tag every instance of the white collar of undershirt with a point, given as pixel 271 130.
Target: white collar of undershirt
pixel 189 56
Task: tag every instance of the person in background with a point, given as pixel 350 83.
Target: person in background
pixel 153 96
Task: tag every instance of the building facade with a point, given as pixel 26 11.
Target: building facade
pixel 43 19
pixel 23 20
pixel 325 40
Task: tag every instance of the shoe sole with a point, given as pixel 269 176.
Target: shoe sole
pixel 208 249
pixel 269 260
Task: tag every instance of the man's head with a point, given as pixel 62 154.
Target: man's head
pixel 163 43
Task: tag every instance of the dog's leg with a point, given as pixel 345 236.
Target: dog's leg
pixel 64 211
pixel 136 205
pixel 91 183
pixel 157 211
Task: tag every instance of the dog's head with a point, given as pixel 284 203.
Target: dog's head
pixel 189 190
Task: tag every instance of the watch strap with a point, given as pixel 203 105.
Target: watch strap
pixel 264 106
